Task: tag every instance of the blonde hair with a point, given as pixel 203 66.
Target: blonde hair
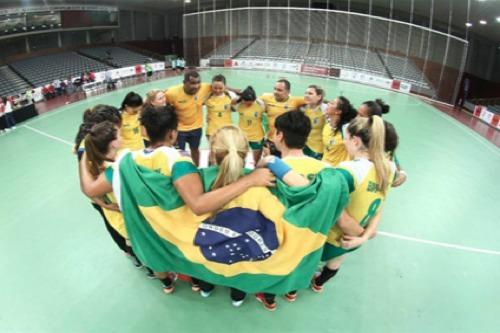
pixel 229 147
pixel 151 96
pixel 371 131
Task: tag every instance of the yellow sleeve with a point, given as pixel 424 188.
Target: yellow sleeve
pixel 170 95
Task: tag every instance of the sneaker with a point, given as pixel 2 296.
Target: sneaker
pixel 168 289
pixel 315 287
pixel 237 304
pixel 291 297
pixel 195 287
pixel 205 294
pixel 268 306
pixel 150 274
pixel 14 127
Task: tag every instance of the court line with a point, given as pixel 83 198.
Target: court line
pixel 439 244
pixel 382 233
pixel 472 133
pixel 48 135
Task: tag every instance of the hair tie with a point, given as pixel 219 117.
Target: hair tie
pixel 233 149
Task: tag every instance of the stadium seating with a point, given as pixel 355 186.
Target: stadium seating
pixel 327 54
pixel 11 83
pixel 404 69
pixel 42 70
pixel 291 50
pixel 115 56
pixel 230 48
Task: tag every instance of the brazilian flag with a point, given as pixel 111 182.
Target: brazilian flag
pixel 259 242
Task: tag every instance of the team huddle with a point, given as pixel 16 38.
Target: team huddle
pixel 291 141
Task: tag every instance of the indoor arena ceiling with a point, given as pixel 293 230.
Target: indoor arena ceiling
pixel 488 10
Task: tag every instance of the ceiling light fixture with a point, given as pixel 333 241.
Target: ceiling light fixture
pixel 498 19
pixel 483 22
pixel 468 24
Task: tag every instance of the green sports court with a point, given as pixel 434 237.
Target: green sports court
pixel 434 266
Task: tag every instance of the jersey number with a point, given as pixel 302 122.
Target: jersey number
pixel 372 210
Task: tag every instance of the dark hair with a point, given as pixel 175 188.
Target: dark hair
pixel 295 126
pixel 132 100
pixel 219 78
pixel 348 112
pixel 391 139
pixel 377 107
pixel 286 83
pixel 318 90
pixel 191 74
pixel 248 95
pixel 158 121
pixel 96 115
pixel 97 141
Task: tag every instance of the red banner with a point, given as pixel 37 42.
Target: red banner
pixel 396 84
pixel 318 70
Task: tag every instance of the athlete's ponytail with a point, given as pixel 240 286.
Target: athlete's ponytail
pixel 376 150
pixel 348 113
pixel 371 131
pixel 97 145
pixel 229 147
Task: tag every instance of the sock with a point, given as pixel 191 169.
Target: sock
pixel 167 282
pixel 270 298
pixel 326 274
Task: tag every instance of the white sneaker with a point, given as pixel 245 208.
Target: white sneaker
pixel 13 127
pixel 7 130
pixel 237 304
pixel 205 294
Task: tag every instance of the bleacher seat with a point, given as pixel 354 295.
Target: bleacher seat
pixel 45 69
pixel 115 56
pixel 11 83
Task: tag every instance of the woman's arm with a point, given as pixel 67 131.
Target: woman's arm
pixel 283 171
pixel 190 189
pixel 90 186
pixel 350 242
pixel 111 206
pixel 349 225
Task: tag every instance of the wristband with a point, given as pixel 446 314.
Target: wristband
pixel 278 167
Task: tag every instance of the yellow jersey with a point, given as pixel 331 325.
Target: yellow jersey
pixel 275 108
pixel 218 112
pixel 251 120
pixel 365 199
pixel 131 132
pixel 188 107
pixel 114 218
pixel 334 151
pixel 165 160
pixel 316 115
pixel 305 165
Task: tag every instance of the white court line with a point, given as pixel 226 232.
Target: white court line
pixel 48 135
pixel 204 155
pixel 440 244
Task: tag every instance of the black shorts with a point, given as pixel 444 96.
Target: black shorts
pixel 192 137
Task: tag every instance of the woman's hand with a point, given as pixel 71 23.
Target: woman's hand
pixel 262 177
pixel 351 242
pixel 401 179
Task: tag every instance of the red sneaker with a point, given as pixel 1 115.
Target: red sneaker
pixel 268 306
pixel 169 289
pixel 315 287
pixel 291 297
